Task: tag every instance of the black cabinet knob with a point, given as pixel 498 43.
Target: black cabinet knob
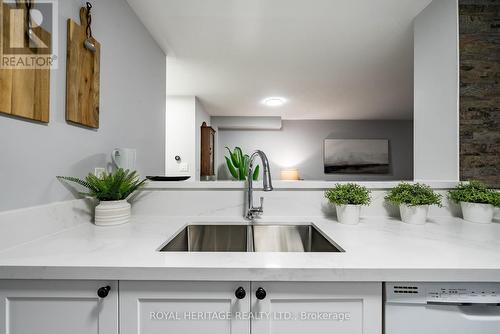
pixel 103 292
pixel 260 293
pixel 240 293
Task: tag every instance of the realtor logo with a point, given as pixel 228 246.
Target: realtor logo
pixel 29 34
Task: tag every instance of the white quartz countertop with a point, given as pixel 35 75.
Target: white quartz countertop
pixel 378 249
pixel 286 185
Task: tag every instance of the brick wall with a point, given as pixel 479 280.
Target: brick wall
pixel 480 90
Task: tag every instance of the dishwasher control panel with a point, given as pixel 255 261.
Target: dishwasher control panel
pixel 443 293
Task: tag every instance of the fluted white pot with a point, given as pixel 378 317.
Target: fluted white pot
pixel 477 212
pixel 109 213
pixel 348 214
pixel 416 215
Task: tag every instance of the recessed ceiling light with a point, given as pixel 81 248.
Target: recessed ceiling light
pixel 274 101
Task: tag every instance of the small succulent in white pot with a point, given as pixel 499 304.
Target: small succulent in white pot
pixel 414 201
pixel 348 199
pixel 112 191
pixel 476 200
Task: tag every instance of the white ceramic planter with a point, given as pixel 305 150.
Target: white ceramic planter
pixel 416 215
pixel 348 214
pixel 109 213
pixel 477 212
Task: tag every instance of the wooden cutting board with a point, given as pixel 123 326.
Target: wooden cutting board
pixel 82 81
pixel 24 92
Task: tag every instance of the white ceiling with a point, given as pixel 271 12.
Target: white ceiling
pixel 332 59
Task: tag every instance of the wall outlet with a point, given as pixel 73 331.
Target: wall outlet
pixel 183 167
pixel 99 171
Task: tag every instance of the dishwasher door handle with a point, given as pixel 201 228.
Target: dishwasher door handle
pixel 435 303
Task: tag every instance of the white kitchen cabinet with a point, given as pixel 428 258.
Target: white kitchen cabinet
pixel 319 308
pixel 57 307
pixel 158 307
pixel 154 307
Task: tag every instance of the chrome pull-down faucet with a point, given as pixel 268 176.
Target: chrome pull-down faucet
pixel 254 212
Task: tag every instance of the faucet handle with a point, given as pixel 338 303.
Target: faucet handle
pixel 261 208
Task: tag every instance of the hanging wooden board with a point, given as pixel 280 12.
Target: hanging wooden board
pixel 82 80
pixel 23 92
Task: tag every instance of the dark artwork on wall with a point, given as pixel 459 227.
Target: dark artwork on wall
pixel 480 91
pixel 356 156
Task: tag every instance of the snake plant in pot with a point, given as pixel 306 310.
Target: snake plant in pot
pixel 112 191
pixel 238 164
pixel 476 200
pixel 348 199
pixel 414 201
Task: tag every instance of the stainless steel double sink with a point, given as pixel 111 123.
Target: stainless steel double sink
pixel 250 238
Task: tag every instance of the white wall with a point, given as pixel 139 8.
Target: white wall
pixel 131 113
pixel 436 92
pixel 180 136
pixel 299 144
pixel 247 122
pixel 185 114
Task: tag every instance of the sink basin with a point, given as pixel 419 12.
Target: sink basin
pixel 209 238
pixel 250 238
pixel 290 238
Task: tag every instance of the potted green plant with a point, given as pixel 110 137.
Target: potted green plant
pixel 476 200
pixel 238 164
pixel 348 199
pixel 414 201
pixel 112 191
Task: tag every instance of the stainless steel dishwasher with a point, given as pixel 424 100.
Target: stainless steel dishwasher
pixel 444 308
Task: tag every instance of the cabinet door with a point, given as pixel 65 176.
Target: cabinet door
pixel 319 308
pixel 211 154
pixel 154 307
pixel 57 307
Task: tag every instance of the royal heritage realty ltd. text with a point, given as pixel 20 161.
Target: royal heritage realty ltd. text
pixel 275 316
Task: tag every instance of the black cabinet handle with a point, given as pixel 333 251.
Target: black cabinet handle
pixel 240 293
pixel 103 292
pixel 260 293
